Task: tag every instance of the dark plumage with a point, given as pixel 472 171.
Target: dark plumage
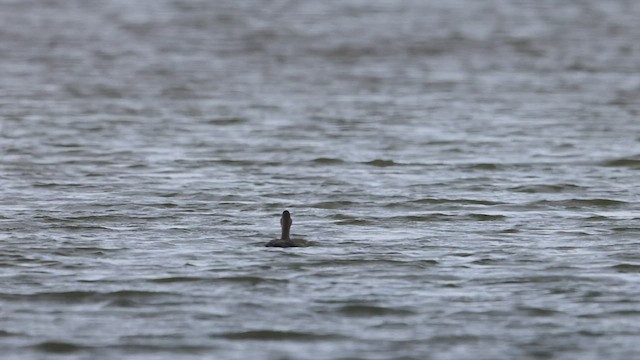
pixel 285 240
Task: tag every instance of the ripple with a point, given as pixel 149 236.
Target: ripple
pixel 538 311
pixel 341 263
pixel 227 121
pixel 85 296
pixel 250 280
pixel 628 162
pixel 580 203
pixel 486 261
pixel 626 229
pixel 348 220
pixel 176 279
pixel 327 161
pixel 486 217
pixel 483 166
pixel 453 339
pixel 55 347
pixel 438 201
pixel 274 335
pixel 85 251
pixel 626 268
pixel 449 217
pixel 333 204
pixel 4 333
pixel 546 188
pixel 381 163
pixel 365 310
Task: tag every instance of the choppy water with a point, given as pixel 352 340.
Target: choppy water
pixel 466 172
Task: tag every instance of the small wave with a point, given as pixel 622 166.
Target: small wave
pixel 97 91
pixel 546 188
pixel 438 201
pixel 79 227
pixel 485 261
pixel 538 311
pixel 626 229
pixel 227 121
pixel 350 220
pixel 176 279
pixel 449 217
pixel 88 251
pixel 629 162
pixel 4 333
pixel 590 333
pixel 380 163
pixel 579 203
pixel 424 218
pixel 374 262
pixel 626 268
pixel 562 279
pixel 625 312
pixel 56 347
pixel 327 161
pixel 88 218
pixel 84 296
pixel 251 280
pixel 46 185
pixel 454 339
pixel 333 204
pixel 483 166
pixel 141 347
pixel 272 335
pixel 486 217
pixel 360 310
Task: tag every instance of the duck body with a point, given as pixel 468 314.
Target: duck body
pixel 281 243
pixel 285 240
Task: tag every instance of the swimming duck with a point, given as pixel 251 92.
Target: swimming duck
pixel 285 240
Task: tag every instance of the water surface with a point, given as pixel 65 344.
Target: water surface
pixel 465 172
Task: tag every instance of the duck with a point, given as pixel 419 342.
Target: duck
pixel 285 240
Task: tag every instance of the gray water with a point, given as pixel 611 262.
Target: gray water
pixel 465 173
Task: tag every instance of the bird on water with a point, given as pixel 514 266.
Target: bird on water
pixel 285 240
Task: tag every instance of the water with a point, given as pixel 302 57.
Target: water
pixel 465 172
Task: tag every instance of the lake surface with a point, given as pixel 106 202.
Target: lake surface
pixel 465 172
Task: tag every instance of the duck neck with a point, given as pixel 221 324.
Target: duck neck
pixel 285 231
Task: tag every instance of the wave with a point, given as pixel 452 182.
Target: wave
pixel 365 310
pixel 176 279
pixel 381 163
pixel 56 347
pixel 227 121
pixel 579 203
pixel 247 280
pixel 483 166
pixel 629 162
pixel 84 296
pixel 88 251
pixel 4 333
pixel 430 217
pixel 546 188
pixel 62 348
pixel 626 268
pixel 450 217
pixel 373 262
pixel 333 204
pixel 327 161
pixel 538 311
pixel 439 201
pixel 251 280
pixel 273 335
